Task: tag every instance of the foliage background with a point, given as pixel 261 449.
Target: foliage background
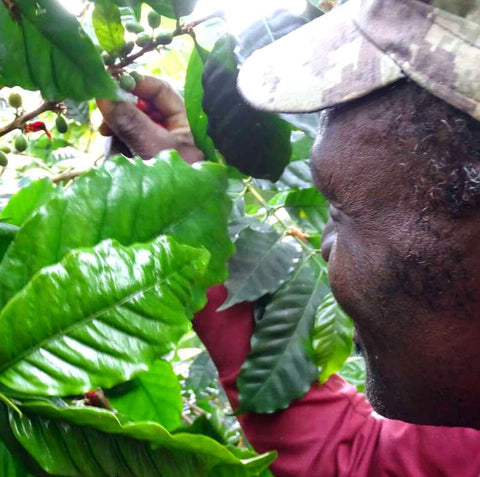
pixel 172 412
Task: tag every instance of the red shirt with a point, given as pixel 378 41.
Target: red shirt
pixel 331 431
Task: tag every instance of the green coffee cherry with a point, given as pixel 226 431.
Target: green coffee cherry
pixel 3 159
pixel 127 82
pixel 138 77
pixel 143 39
pixel 61 124
pixel 108 59
pixel 127 49
pixel 21 143
pixel 6 149
pixel 164 38
pixel 15 100
pixel 134 27
pixel 154 19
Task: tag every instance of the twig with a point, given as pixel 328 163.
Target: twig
pixel 186 419
pixel 66 176
pixel 10 403
pixel 185 29
pixel 20 121
pixel 180 30
pixel 308 249
pixel 194 408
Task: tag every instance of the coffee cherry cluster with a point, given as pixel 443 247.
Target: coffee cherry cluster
pixel 20 142
pixel 142 39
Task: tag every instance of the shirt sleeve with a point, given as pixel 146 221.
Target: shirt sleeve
pixel 332 430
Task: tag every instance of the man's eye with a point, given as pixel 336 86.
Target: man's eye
pixel 335 212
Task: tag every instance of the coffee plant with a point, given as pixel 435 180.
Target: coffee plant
pixel 105 259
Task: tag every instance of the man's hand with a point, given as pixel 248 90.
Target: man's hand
pixel 142 135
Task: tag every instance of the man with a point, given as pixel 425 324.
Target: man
pixel 398 156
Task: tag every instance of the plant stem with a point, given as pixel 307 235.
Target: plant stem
pixel 179 30
pixel 194 408
pixel 66 176
pixel 11 404
pixel 20 121
pixel 311 252
pixel 186 419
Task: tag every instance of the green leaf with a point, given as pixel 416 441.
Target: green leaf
pixel 296 176
pixel 108 27
pixel 9 465
pixel 25 202
pixel 93 442
pixel 78 111
pixel 279 368
pixel 202 373
pixel 99 317
pixel 204 426
pixel 193 102
pixel 10 449
pixel 42 148
pixel 263 262
pixel 152 396
pixel 354 372
pixel 46 49
pixel 128 202
pixel 164 7
pixel 255 142
pixel 307 207
pixel 183 7
pixel 7 235
pixel 332 337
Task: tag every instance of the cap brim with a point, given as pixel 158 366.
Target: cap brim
pixel 324 63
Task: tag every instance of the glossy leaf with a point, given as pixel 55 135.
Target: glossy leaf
pixel 26 201
pixel 7 235
pixel 108 27
pixel 263 262
pixel 10 449
pixel 129 202
pixel 9 465
pixel 99 317
pixel 94 442
pixel 239 220
pixel 296 176
pixel 164 7
pixel 201 373
pixel 279 368
pixel 193 102
pixel 265 31
pixel 78 111
pixel 152 396
pixel 332 337
pixel 354 372
pixel 307 207
pixel 45 48
pixel 183 7
pixel 42 148
pixel 255 142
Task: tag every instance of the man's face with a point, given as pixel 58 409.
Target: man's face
pixel 408 280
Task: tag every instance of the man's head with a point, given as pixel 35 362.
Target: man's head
pixel 401 168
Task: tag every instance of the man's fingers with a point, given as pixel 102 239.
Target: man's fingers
pixel 140 131
pixel 105 130
pixel 165 99
pixel 142 136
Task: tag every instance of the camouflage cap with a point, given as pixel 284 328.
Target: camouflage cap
pixel 364 45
